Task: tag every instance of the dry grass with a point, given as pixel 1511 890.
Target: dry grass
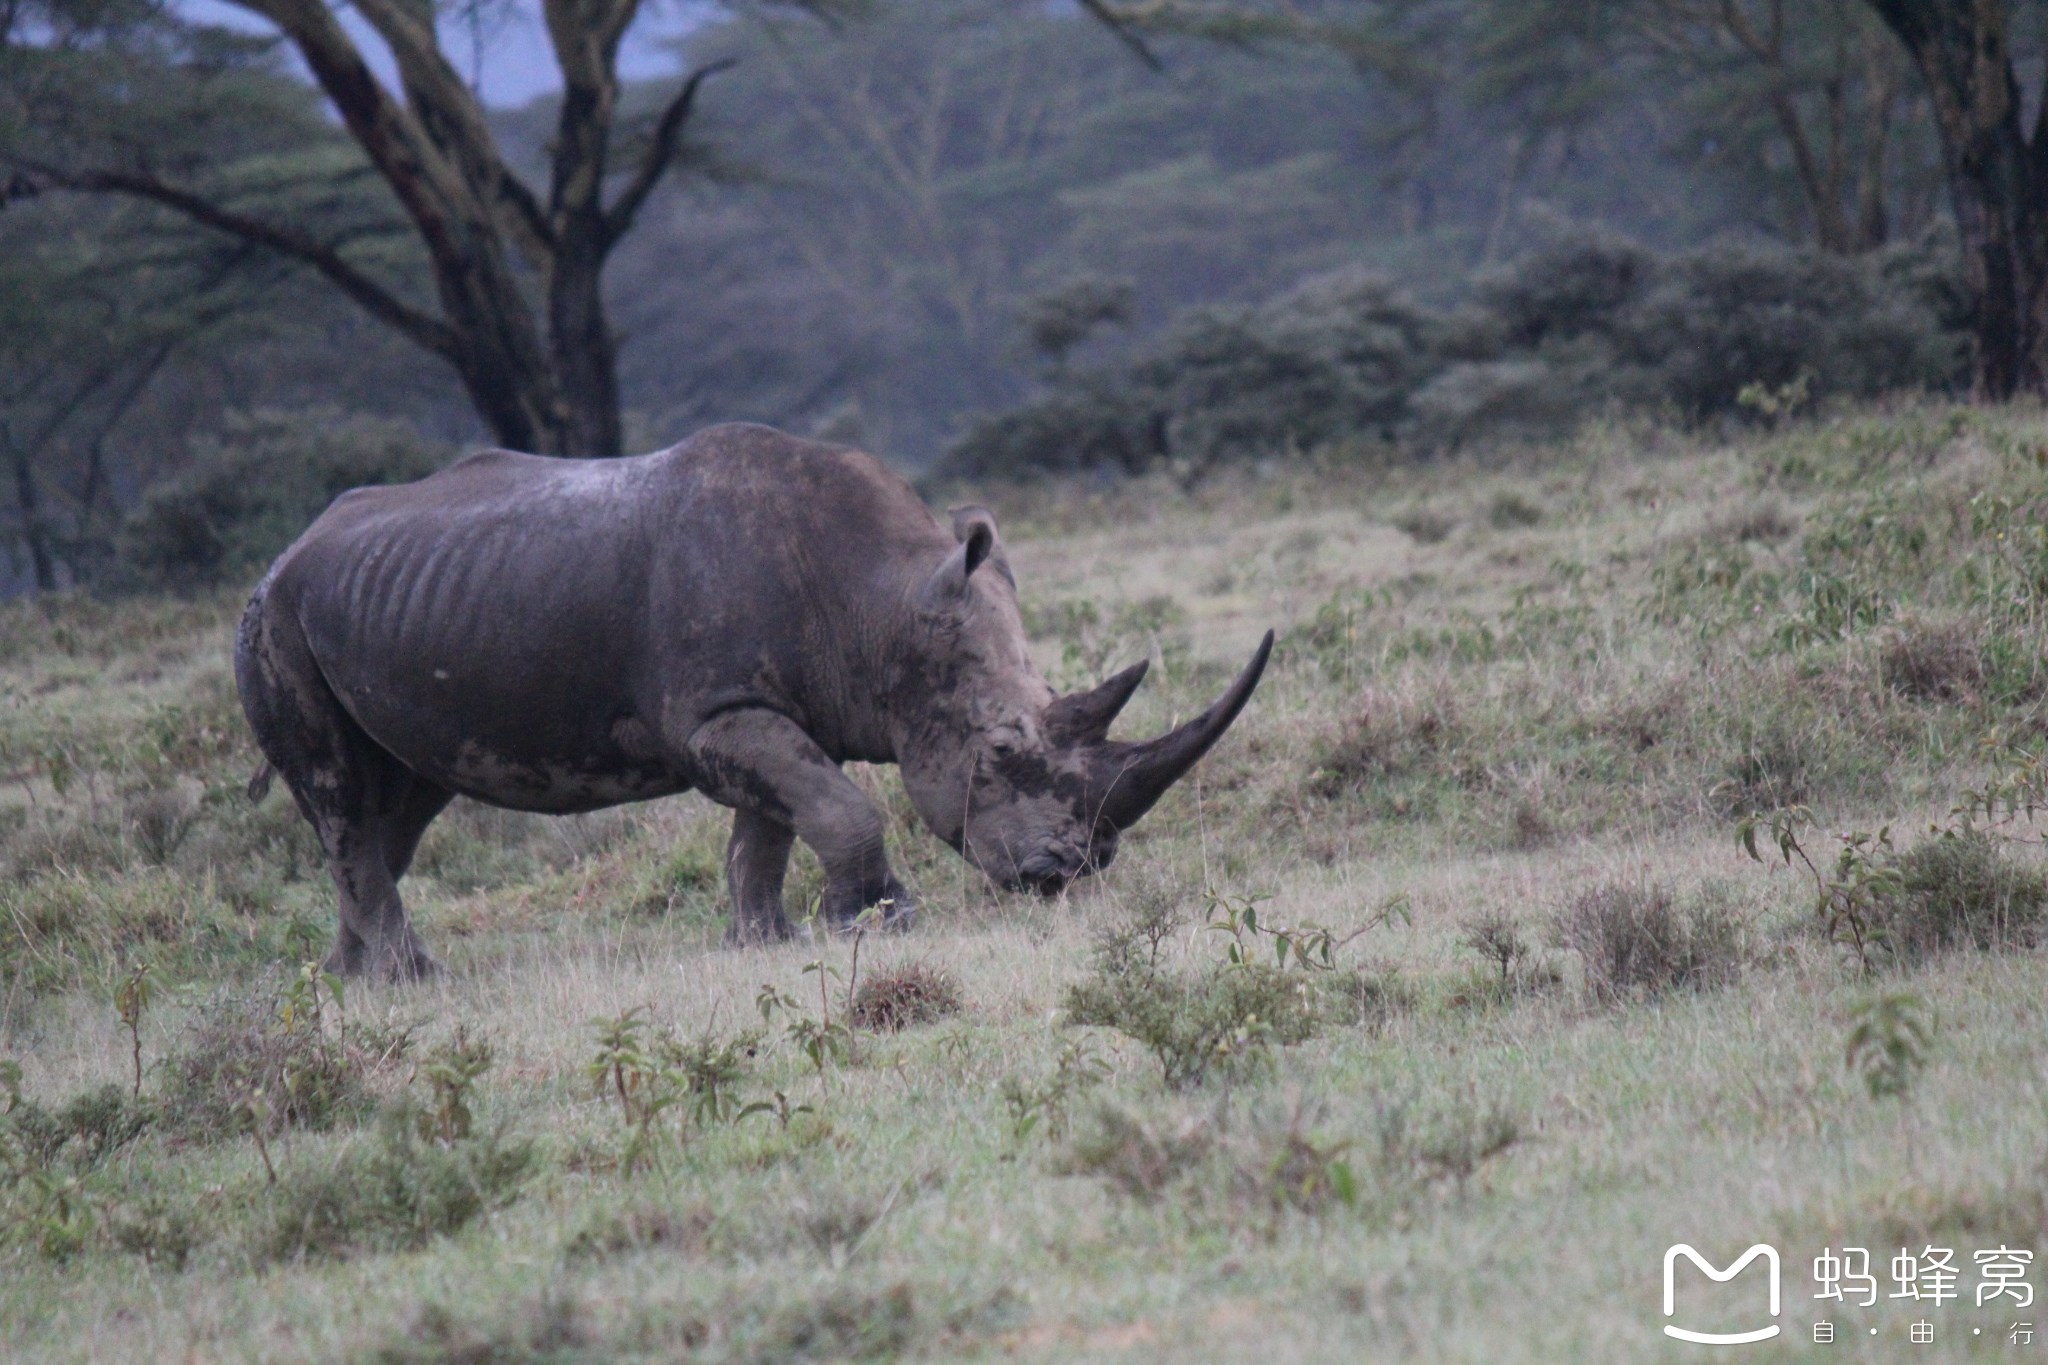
pixel 1483 725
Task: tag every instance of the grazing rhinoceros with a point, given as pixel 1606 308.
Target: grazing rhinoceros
pixel 740 614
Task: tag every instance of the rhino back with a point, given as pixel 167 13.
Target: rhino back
pixel 536 632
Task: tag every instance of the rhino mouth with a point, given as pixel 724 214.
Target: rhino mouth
pixel 1050 873
pixel 1054 870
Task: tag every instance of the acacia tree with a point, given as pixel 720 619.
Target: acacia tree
pixel 1825 79
pixel 1814 85
pixel 1997 175
pixel 515 270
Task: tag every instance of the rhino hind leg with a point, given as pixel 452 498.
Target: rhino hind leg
pixel 769 771
pixel 367 808
pixel 755 861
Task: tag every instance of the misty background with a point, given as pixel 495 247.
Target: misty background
pixel 986 239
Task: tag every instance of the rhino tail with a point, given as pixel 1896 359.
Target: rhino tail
pixel 259 782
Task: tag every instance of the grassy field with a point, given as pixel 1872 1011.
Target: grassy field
pixel 1512 1011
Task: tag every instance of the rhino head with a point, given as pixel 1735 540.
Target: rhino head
pixel 1026 784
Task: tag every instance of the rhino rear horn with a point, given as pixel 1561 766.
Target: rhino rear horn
pixel 1084 717
pixel 1128 779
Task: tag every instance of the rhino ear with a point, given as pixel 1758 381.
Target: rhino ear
pixel 1084 717
pixel 975 529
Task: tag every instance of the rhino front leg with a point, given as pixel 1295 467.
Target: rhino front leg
pixel 755 861
pixel 763 765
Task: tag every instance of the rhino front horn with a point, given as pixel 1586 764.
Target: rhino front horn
pixel 1129 779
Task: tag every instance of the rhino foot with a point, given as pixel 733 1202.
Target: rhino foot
pixel 400 962
pixel 895 910
pixel 744 932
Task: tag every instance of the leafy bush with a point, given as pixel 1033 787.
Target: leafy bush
pixel 1221 1019
pixel 250 493
pixel 1084 424
pixel 1962 888
pixel 397 1192
pixel 1587 323
pixel 79 1136
pixel 240 1049
pixel 1636 939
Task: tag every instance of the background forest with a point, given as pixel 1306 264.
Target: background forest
pixel 984 239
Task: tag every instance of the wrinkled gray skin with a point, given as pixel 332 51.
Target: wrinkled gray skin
pixel 740 615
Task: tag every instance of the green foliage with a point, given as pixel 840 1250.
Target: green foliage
pixel 1254 1173
pixel 160 1229
pixel 1573 328
pixel 1137 1159
pixel 1305 946
pixel 1958 887
pixel 251 493
pixel 1889 1039
pixel 1850 898
pixel 79 1137
pixel 396 1191
pixel 271 1049
pixel 452 1071
pixel 1047 1104
pixel 1220 1020
pixel 1964 888
pixel 650 1071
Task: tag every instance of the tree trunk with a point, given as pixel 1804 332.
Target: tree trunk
pixel 1996 180
pixel 518 280
pixel 35 533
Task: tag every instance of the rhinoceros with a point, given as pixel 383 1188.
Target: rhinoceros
pixel 739 615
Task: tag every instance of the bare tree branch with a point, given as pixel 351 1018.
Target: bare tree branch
pixel 1120 25
pixel 422 328
pixel 661 150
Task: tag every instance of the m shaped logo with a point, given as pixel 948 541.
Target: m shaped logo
pixel 1671 1255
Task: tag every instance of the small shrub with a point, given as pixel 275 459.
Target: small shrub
pixel 79 1136
pixel 241 1048
pixel 248 495
pixel 617 1234
pixel 1888 1044
pixel 162 817
pixel 1773 768
pixel 1221 1019
pixel 394 1192
pixel 1135 1158
pixel 900 997
pixel 843 1324
pixel 1368 996
pixel 1496 936
pixel 102 1122
pixel 1509 511
pixel 1757 522
pixel 551 1326
pixel 451 1072
pixel 1425 525
pixel 1635 939
pixel 159 1230
pixel 1933 662
pixel 1451 1144
pixel 1962 888
pixel 1279 1168
pixel 1047 1103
